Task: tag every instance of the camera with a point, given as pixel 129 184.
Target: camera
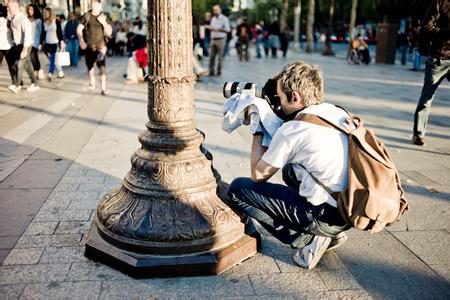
pixel 268 91
pixel 232 87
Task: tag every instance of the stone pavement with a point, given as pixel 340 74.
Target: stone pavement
pixel 63 147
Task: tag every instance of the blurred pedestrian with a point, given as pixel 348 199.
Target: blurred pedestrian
pixel 274 38
pixel 6 43
pixel 23 41
pixel 220 27
pixel 361 47
pixel 207 38
pixel 414 38
pixel 436 41
pixel 52 37
pixel 35 17
pixel 71 38
pixel 92 32
pixel 259 36
pixel 244 35
pixel 284 40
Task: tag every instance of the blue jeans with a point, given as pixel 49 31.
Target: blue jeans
pixel 416 59
pixel 434 74
pixel 72 48
pixel 283 212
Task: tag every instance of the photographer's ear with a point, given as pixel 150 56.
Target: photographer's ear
pixel 296 98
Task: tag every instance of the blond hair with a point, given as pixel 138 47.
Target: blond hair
pixel 303 78
pixel 51 14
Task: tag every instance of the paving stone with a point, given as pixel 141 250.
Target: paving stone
pixel 63 215
pixel 36 174
pixel 212 286
pixel 11 292
pixel 140 289
pixel 85 204
pixel 443 270
pixel 9 164
pixel 94 272
pixel 39 228
pixel 60 254
pixel 287 283
pixel 387 269
pixel 32 241
pixel 96 187
pixel 4 254
pixel 430 246
pixel 257 264
pixel 339 280
pixel 33 273
pixel 23 256
pixel 82 180
pixel 18 207
pixel 344 294
pixel 7 242
pixel 73 227
pixel 62 290
pixel 66 187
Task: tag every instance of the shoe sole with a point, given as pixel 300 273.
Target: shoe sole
pixel 316 257
pixel 339 242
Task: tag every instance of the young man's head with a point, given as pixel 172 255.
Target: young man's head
pixel 13 7
pixel 299 85
pixel 96 7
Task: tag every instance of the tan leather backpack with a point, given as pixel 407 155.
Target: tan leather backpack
pixel 374 197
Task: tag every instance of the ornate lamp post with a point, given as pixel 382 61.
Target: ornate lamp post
pixel 167 218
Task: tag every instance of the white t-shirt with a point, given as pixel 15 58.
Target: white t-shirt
pixel 21 30
pixel 6 41
pixel 220 22
pixel 322 151
pixel 51 37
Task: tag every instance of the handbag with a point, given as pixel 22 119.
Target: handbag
pixel 62 58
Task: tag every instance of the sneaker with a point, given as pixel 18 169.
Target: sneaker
pixel 49 77
pixel 60 74
pixel 33 87
pixel 105 93
pixel 417 140
pixel 308 256
pixel 14 88
pixel 338 241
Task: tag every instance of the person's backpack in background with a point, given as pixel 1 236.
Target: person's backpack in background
pixel 374 197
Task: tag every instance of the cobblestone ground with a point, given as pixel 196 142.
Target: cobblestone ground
pixel 64 146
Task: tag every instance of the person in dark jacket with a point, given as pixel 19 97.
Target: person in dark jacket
pixel 436 29
pixel 71 38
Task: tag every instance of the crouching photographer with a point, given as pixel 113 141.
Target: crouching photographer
pixel 313 159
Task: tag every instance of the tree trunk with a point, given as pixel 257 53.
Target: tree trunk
pixel 351 26
pixel 328 50
pixel 310 27
pixel 283 17
pixel 297 12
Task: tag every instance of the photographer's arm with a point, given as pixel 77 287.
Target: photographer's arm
pixel 260 170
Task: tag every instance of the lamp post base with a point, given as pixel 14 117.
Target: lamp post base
pixel 147 266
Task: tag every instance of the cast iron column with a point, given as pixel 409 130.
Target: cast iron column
pixel 167 217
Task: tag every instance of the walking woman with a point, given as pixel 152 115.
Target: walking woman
pixel 35 17
pixel 6 43
pixel 52 37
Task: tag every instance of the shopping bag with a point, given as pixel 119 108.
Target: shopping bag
pixel 62 58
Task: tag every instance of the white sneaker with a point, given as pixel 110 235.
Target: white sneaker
pixel 14 88
pixel 33 87
pixel 308 256
pixel 60 74
pixel 337 241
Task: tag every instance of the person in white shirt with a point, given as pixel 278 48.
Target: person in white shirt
pixel 52 37
pixel 23 40
pixel 6 43
pixel 219 28
pixel 302 213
